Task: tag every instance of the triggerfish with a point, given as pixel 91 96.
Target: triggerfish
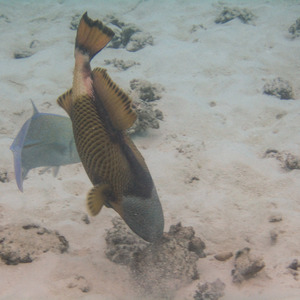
pixel 100 113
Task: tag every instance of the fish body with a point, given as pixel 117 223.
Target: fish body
pixel 100 113
pixel 45 140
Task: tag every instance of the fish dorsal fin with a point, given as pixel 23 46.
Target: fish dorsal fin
pixel 117 104
pixel 96 198
pixel 65 101
pixel 35 110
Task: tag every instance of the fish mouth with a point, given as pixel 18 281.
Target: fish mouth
pixel 144 216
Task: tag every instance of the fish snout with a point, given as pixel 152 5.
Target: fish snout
pixel 144 216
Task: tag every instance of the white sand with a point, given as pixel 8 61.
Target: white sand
pixel 223 145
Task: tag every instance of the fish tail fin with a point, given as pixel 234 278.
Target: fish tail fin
pixel 92 36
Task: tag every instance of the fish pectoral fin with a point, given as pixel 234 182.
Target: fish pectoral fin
pixel 96 198
pixel 116 102
pixel 65 101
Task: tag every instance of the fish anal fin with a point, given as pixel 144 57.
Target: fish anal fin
pixel 96 198
pixel 116 102
pixel 92 36
pixel 65 101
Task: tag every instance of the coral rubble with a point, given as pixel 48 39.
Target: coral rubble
pixel 23 244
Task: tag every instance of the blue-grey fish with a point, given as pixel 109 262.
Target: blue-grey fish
pixel 45 140
pixel 100 113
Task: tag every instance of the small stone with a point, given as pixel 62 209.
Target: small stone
pixel 22 54
pixel 64 244
pixel 159 114
pixel 30 226
pixel 34 44
pixel 294 29
pixel 275 218
pixel 210 290
pixel 75 22
pixel 246 265
pixel 3 175
pixel 271 152
pixel 85 289
pixel 280 115
pixel 223 256
pixel 292 162
pixel 86 219
pixel 294 265
pixel 197 245
pixel 192 178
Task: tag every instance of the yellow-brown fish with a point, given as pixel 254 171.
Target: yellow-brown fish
pixel 100 113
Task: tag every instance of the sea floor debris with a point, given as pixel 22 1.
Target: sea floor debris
pixel 287 160
pixel 246 265
pixel 146 90
pixel 79 282
pixel 210 290
pixel 294 29
pixel 279 88
pixel 121 243
pixel 3 175
pixel 120 64
pixel 144 94
pixel 229 13
pixel 159 268
pixel 25 243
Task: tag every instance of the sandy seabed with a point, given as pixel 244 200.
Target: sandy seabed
pixel 208 158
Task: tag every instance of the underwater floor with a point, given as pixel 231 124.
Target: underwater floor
pixel 217 85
